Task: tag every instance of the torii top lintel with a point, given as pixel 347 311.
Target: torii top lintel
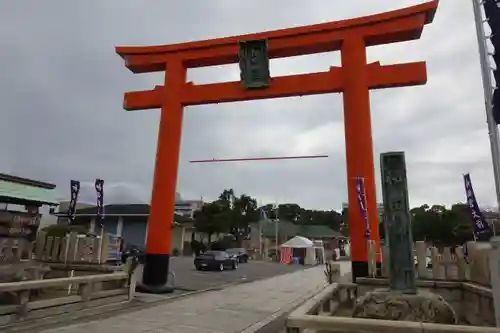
pixel 390 27
pixel 394 26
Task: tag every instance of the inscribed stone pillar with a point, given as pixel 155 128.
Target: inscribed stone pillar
pixel 397 222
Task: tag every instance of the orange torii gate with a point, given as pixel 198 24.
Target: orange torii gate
pixel 354 79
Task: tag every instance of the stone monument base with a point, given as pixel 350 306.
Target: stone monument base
pixel 392 305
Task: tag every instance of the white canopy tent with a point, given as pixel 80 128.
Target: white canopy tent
pixel 299 242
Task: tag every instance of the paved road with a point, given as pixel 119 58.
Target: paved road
pixel 187 278
pixel 240 308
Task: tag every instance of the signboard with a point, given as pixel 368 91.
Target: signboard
pixel 18 224
pixel 254 64
pixel 114 253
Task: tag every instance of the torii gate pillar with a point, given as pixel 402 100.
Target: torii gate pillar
pixel 359 151
pixel 354 79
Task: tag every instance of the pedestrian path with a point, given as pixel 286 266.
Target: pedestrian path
pixel 238 308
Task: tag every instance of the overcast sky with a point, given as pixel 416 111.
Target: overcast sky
pixel 62 85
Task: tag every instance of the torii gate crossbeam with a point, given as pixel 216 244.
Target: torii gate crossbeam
pixel 354 79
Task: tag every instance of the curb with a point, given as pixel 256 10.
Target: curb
pixel 276 322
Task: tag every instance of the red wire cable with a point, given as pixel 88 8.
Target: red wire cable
pixel 258 159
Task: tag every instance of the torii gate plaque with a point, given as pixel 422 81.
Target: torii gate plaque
pixel 354 79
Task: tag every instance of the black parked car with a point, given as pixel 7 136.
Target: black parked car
pixel 135 251
pixel 215 260
pixel 240 253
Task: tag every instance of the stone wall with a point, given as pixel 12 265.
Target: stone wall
pixel 473 303
pixel 477 305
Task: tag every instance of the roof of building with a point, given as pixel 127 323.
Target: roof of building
pixel 126 209
pixel 298 242
pixel 24 191
pixel 289 229
pixel 26 181
pixel 318 231
pixel 64 205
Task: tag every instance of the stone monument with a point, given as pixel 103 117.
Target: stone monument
pixel 402 301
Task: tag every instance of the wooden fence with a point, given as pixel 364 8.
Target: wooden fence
pixel 447 263
pixel 42 299
pixel 14 249
pixel 72 248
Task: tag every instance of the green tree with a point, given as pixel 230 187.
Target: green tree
pixel 344 225
pixel 231 213
pixel 209 219
pixel 227 198
pixel 228 214
pixel 440 225
pixel 463 222
pixel 289 212
pixel 246 209
pixel 292 212
pixel 270 211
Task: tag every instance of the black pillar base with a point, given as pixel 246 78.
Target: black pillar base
pixel 360 269
pixel 155 275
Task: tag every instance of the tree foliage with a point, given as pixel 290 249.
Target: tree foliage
pixel 209 219
pixel 228 214
pixel 435 224
pixel 61 230
pixel 231 212
pixel 440 225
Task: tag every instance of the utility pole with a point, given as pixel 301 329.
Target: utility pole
pixel 276 230
pixel 261 250
pixel 488 89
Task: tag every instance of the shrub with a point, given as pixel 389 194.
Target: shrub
pixel 60 230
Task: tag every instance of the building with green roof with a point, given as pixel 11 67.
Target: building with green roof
pixel 23 191
pixel 20 217
pixel 287 230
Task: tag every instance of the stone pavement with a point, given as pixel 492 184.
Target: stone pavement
pixel 239 308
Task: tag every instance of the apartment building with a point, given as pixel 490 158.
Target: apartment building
pixel 186 208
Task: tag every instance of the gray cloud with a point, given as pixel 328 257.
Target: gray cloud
pixel 62 88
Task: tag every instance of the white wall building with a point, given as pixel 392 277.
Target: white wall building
pixel 187 207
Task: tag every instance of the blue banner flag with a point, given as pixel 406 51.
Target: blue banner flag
pixel 99 188
pixel 465 249
pixel 480 227
pixel 263 214
pixel 492 13
pixel 75 190
pixel 360 191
